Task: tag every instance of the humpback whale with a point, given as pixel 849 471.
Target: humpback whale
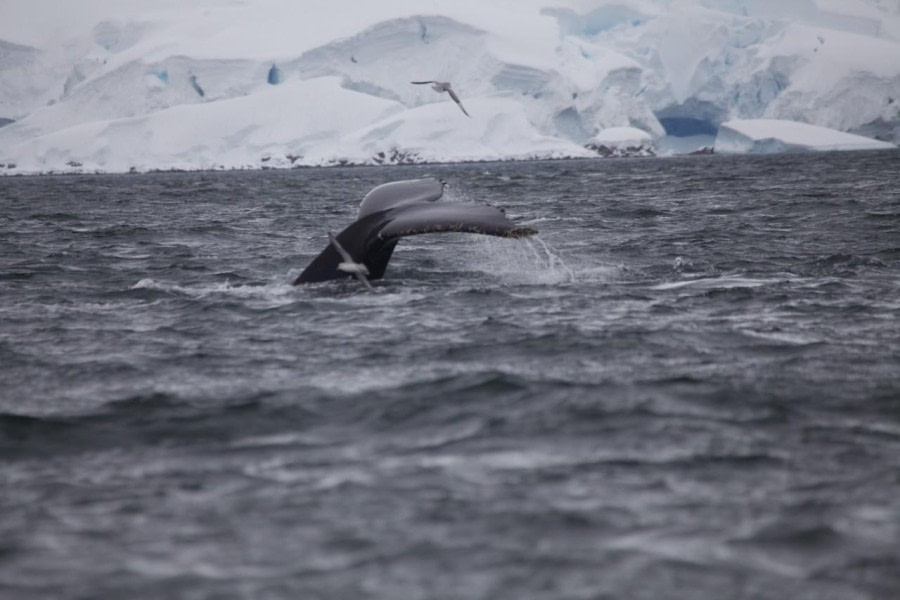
pixel 395 210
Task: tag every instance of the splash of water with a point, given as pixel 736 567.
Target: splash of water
pixel 554 260
pixel 526 261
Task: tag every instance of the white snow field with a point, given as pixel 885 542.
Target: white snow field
pixel 120 85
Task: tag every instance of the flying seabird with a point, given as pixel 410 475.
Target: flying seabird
pixel 349 265
pixel 443 86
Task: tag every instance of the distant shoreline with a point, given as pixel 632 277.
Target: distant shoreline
pixel 356 165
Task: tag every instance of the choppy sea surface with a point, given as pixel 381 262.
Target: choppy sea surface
pixel 687 386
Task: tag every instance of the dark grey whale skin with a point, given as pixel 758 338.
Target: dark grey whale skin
pixel 399 209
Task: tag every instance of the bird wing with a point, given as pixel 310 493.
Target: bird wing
pixel 340 249
pixel 456 99
pixel 421 82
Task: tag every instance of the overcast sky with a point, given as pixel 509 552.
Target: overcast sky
pixel 35 22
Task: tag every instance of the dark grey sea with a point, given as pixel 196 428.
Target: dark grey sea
pixel 687 386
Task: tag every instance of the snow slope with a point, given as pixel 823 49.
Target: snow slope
pixel 116 85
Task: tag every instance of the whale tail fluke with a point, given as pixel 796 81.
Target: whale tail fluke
pixel 394 211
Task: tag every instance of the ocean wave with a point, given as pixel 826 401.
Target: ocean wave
pixel 276 293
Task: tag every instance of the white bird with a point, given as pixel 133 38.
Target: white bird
pixel 444 86
pixel 349 265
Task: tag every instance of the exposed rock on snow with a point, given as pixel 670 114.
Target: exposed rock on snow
pixel 622 142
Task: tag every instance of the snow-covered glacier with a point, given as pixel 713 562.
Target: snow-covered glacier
pixel 119 85
pixel 770 136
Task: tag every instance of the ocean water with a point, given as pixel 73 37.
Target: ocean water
pixel 687 386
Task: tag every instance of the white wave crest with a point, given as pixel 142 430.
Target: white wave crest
pixel 274 293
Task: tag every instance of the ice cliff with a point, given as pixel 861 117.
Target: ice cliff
pixel 137 85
